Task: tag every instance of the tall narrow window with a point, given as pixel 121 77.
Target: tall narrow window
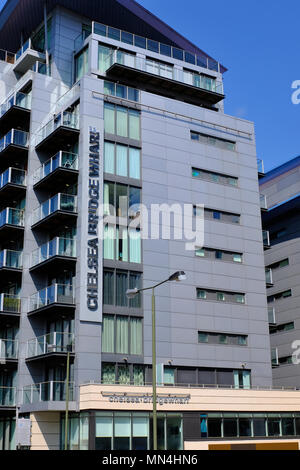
pixel 109 118
pixel 122 335
pixel 108 334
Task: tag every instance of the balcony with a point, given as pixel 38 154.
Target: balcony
pixel 8 57
pixel 10 305
pixel 266 239
pixel 11 223
pixel 263 202
pixel 56 296
pixel 49 345
pixel 61 168
pixel 10 265
pixel 260 168
pixel 15 144
pixel 153 75
pixel 47 391
pixel 7 397
pixel 269 277
pixel 64 126
pixel 12 184
pixel 57 253
pixel 26 57
pixel 15 109
pixel 61 208
pixel 271 316
pixel 8 350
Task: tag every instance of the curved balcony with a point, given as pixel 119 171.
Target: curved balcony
pixel 64 126
pixel 61 168
pixel 61 208
pixel 57 253
pixel 15 109
pixel 8 350
pixel 10 305
pixel 7 397
pixel 12 184
pixel 54 297
pixel 51 345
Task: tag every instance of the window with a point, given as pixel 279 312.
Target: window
pixel 222 255
pixel 121 121
pixel 122 160
pixel 81 64
pixel 122 335
pixel 282 328
pixel 201 294
pixel 279 264
pixel 122 244
pixel 279 296
pixel 121 91
pixel 212 140
pixel 222 216
pixel 222 338
pixel 121 200
pixel 202 337
pixel 220 296
pixel 115 285
pixel 214 177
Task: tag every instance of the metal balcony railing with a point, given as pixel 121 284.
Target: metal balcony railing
pixel 11 259
pixel 271 316
pixel 49 343
pixel 19 99
pixel 7 396
pixel 56 247
pixel 148 44
pixel 59 202
pixel 60 160
pixel 47 391
pixel 63 119
pixel 10 216
pixel 14 137
pixel 10 303
pixel 57 293
pixel 164 70
pixel 8 349
pixel 13 176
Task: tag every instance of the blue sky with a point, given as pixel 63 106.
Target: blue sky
pixel 258 42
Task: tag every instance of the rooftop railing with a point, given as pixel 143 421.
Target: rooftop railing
pixel 14 137
pixel 10 216
pixel 147 44
pixel 47 391
pixel 59 202
pixel 50 343
pixel 9 349
pixel 62 119
pixel 163 70
pixel 10 303
pixel 13 176
pixel 11 259
pixel 57 293
pixel 22 100
pixel 60 160
pixel 7 396
pixel 56 247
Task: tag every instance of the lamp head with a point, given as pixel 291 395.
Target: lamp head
pixel 178 276
pixel 131 293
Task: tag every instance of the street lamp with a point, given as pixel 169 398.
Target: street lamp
pixel 131 293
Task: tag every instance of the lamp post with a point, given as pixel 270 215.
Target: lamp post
pixel 131 293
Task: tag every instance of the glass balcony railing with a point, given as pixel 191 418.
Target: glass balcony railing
pixel 163 70
pixel 11 259
pixel 26 45
pixel 63 119
pixel 19 99
pixel 60 160
pixel 47 391
pixel 6 56
pixel 9 349
pixel 56 247
pixel 49 343
pixel 266 238
pixel 13 176
pixel 10 303
pixel 10 216
pixel 271 315
pixel 269 276
pixel 41 67
pixel 263 202
pixel 14 137
pixel 57 293
pixel 148 44
pixel 59 202
pixel 7 396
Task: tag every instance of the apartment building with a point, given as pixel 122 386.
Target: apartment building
pixel 280 187
pixel 104 102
